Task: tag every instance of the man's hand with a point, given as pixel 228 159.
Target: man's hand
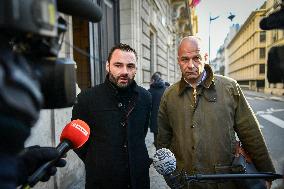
pixel 35 156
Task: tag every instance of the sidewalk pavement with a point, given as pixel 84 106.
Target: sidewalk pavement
pixel 156 180
pixel 263 95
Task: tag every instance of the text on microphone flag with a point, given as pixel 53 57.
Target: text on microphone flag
pixel 80 128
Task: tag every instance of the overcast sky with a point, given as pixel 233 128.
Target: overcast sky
pixel 220 26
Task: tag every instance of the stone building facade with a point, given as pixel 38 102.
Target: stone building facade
pixel 247 52
pixel 154 29
pixel 147 26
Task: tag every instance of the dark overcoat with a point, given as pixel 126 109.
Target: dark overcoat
pixel 113 138
pixel 157 89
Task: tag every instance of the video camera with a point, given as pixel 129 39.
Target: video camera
pixel 275 62
pixel 32 76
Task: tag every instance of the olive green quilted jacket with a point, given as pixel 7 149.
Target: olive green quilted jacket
pixel 199 127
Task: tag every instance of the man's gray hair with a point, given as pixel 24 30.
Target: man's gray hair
pixel 194 38
pixel 190 37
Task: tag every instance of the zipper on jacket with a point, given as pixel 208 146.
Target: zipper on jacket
pixel 194 93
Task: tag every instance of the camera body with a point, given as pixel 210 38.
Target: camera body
pixel 32 35
pixel 29 16
pixel 32 76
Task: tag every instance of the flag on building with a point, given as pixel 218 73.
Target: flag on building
pixel 194 3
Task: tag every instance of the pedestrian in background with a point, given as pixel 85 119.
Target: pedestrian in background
pixel 157 88
pixel 199 116
pixel 118 113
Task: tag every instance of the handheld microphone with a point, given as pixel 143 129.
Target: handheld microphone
pixel 164 162
pixel 73 136
pixel 81 8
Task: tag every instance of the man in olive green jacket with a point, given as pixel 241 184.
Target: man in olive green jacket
pixel 199 116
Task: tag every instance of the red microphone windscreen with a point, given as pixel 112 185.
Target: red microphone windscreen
pixel 77 132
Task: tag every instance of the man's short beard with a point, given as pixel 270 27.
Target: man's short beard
pixel 120 85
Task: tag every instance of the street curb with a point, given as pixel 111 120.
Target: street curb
pixel 277 99
pixel 263 95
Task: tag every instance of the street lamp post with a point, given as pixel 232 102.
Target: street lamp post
pixel 210 20
pixel 230 17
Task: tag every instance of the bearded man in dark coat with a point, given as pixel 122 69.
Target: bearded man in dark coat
pixel 118 113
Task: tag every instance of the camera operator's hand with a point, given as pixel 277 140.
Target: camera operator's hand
pixel 35 156
pixel 175 180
